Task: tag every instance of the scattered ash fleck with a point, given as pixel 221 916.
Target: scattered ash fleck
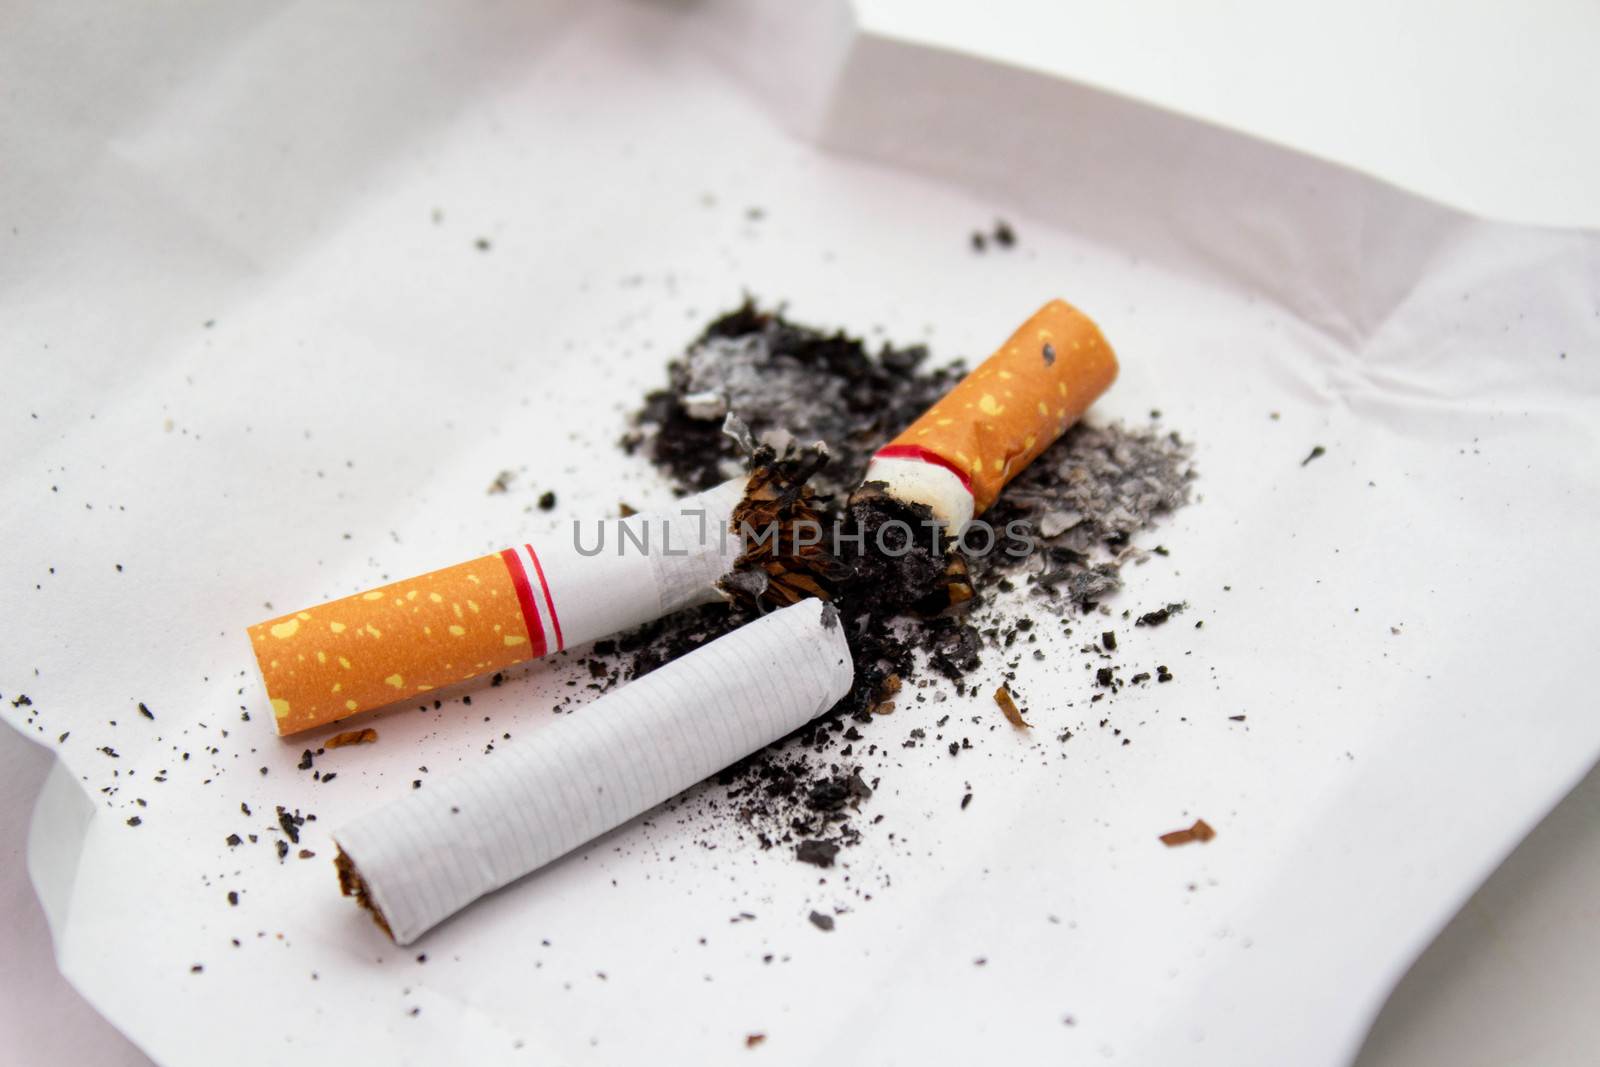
pixel 1158 616
pixel 1002 237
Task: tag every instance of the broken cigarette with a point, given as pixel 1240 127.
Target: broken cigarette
pixel 404 639
pixel 416 861
pixel 961 452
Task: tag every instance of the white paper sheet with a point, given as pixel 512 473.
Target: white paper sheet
pixel 245 315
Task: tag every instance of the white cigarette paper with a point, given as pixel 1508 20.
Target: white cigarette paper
pixel 423 858
pixel 615 574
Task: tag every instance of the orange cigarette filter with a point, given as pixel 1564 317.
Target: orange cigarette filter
pixel 397 641
pixel 1000 417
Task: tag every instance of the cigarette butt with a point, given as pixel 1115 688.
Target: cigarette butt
pixel 404 640
pixel 420 859
pixel 962 451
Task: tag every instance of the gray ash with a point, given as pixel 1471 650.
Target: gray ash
pixel 1085 498
pixel 786 381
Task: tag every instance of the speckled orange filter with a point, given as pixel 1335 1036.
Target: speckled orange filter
pixel 1012 407
pixel 394 642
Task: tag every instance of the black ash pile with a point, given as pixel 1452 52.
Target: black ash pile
pixel 1084 500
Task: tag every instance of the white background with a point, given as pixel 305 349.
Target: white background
pixel 1480 106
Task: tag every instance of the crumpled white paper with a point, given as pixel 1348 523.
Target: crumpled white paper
pixel 285 288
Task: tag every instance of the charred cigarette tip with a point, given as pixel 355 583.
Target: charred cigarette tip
pixel 351 884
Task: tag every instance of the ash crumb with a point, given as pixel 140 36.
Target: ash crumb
pixel 1159 616
pixel 817 853
pixel 821 921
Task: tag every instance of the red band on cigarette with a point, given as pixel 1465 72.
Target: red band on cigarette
pixel 555 620
pixel 530 612
pixel 918 452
